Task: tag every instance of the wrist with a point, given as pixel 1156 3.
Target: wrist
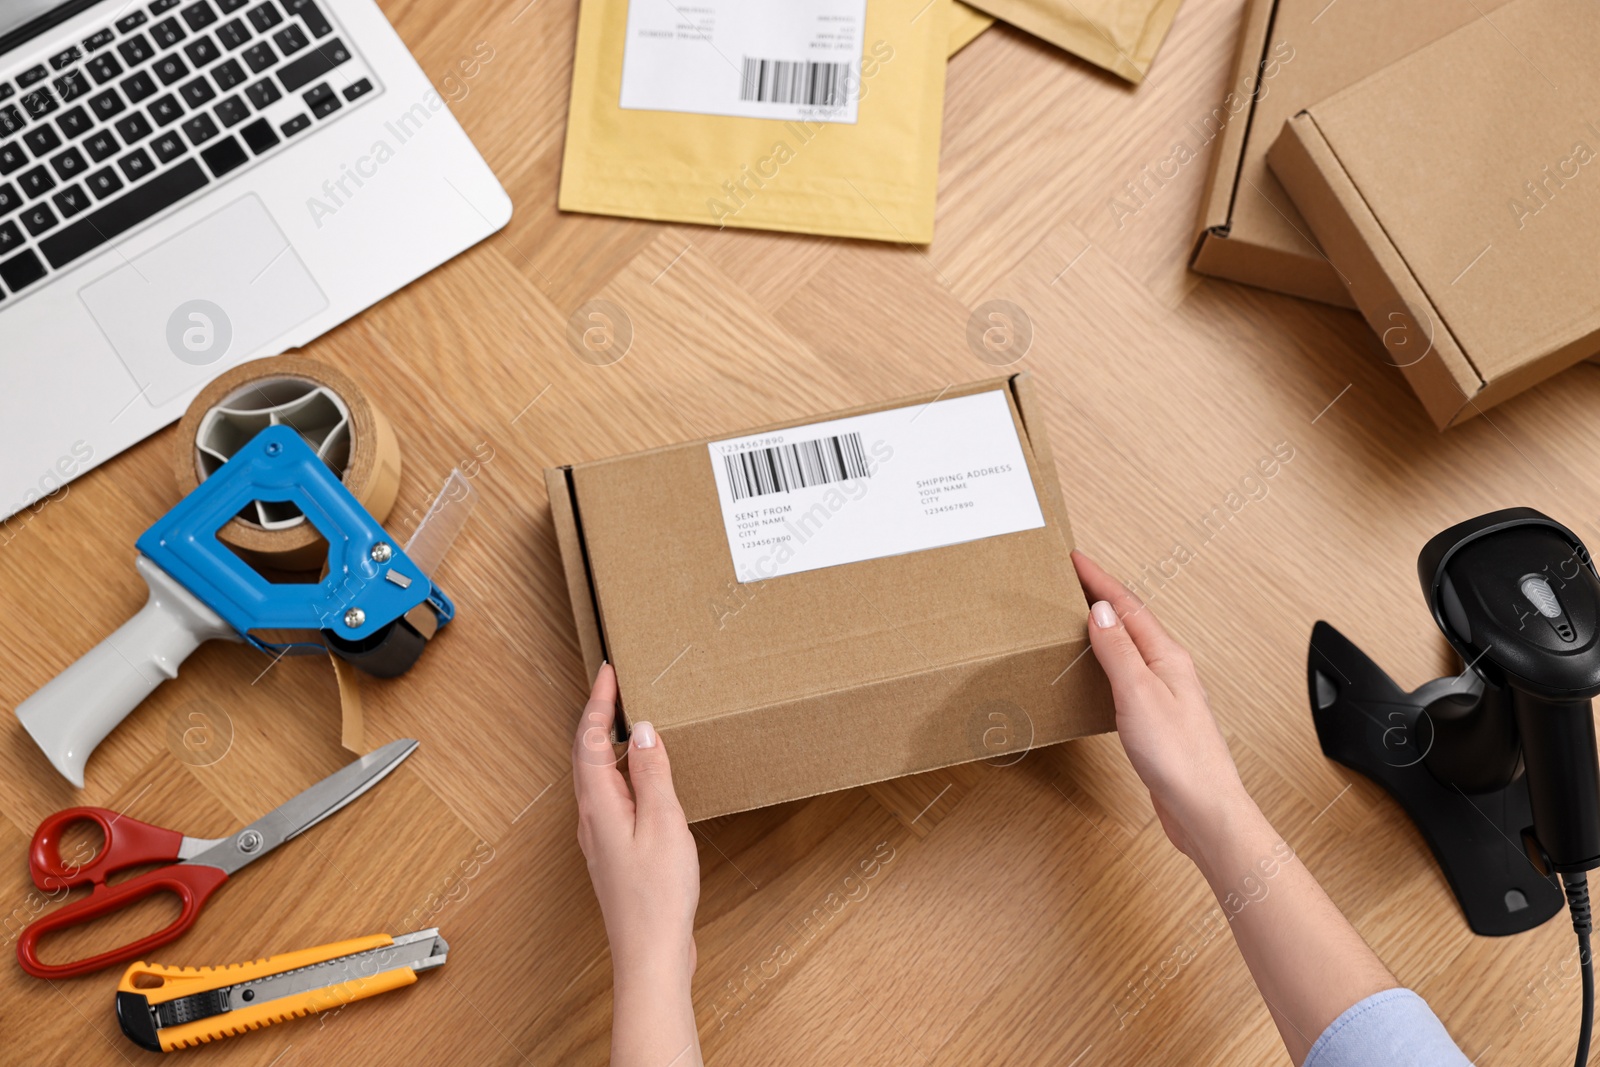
pixel 658 968
pixel 1222 828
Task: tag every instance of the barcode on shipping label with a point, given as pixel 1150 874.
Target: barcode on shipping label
pixel 780 60
pixel 782 468
pixel 782 81
pixel 875 485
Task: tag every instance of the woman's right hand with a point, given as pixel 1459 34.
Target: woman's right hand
pixel 1163 719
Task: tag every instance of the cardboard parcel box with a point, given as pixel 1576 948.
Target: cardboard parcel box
pixel 836 600
pixel 1458 190
pixel 1291 54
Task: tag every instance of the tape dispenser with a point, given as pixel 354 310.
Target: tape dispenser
pixel 374 607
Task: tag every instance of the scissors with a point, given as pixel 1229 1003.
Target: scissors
pixel 202 865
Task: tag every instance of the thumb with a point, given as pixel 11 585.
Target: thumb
pixel 651 773
pixel 1119 657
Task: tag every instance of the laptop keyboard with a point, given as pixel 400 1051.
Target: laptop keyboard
pixel 159 104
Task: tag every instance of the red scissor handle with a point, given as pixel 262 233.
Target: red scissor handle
pixel 193 884
pixel 128 843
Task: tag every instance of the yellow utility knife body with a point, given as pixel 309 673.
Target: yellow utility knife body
pixel 168 1008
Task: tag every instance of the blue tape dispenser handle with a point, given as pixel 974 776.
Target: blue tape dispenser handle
pixel 374 607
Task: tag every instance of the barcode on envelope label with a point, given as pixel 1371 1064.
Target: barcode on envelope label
pixel 783 81
pixel 783 468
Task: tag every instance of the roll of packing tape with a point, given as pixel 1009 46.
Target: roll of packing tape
pixel 332 413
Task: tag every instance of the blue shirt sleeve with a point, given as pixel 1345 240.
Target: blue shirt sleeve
pixel 1395 1027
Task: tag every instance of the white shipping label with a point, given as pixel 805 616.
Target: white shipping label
pixel 762 59
pixel 873 485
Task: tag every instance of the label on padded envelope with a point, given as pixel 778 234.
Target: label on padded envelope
pixel 762 59
pixel 875 485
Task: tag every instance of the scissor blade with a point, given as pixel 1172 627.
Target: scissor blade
pixel 296 816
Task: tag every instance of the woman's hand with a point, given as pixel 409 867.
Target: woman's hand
pixel 1162 716
pixel 1308 961
pixel 646 874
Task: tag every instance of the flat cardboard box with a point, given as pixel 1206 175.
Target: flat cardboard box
pixel 791 686
pixel 1291 54
pixel 1458 191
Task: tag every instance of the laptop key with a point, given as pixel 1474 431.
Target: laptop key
pixel 295 125
pixel 11 157
pixel 233 34
pixel 136 164
pixel 198 15
pixel 10 237
pixel 317 98
pixel 11 119
pixel 106 104
pixel 357 89
pixel 159 6
pixel 69 164
pixel 42 139
pixel 290 39
pixel 169 68
pixel 103 67
pixel 233 111
pixel 264 17
pixel 139 86
pixel 38 218
pixel 135 50
pixel 200 129
pixel 224 156
pixel 72 85
pixel 314 64
pixel 311 15
pixel 103 182
pixel 131 22
pixel 168 146
pixel 70 201
pixel 119 216
pixel 98 40
pixel 263 93
pixel 7 90
pixel 74 122
pixel 99 145
pixel 201 51
pixel 165 110
pixel 227 74
pixel 133 128
pixel 21 270
pixel 38 102
pixel 10 199
pixel 64 59
pixel 31 75
pixel 259 136
pixel 167 33
pixel 259 56
pixel 36 182
pixel 197 92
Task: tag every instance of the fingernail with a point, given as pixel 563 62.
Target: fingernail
pixel 644 735
pixel 1105 616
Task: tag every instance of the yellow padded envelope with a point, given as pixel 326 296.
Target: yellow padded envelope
pixel 965 25
pixel 1120 35
pixel 874 179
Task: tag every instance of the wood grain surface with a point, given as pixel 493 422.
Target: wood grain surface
pixel 1026 914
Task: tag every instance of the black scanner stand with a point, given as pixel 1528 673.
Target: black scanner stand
pixel 1369 724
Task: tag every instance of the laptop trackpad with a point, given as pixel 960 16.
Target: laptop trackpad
pixel 204 298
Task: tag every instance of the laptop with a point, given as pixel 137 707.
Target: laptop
pixel 189 184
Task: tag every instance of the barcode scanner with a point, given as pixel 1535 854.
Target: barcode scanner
pixel 1518 598
pixel 1497 766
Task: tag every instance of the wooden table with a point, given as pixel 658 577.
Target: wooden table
pixel 1030 914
